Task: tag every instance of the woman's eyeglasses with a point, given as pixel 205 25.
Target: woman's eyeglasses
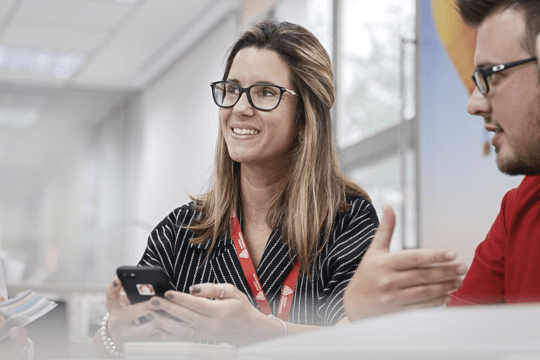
pixel 264 97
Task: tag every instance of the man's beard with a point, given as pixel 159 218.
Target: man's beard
pixel 519 166
pixel 526 160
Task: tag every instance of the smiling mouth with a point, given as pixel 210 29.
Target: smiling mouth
pixel 239 131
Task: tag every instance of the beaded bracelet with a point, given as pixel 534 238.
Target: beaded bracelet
pixel 281 321
pixel 107 341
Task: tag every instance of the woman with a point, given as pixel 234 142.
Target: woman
pixel 278 186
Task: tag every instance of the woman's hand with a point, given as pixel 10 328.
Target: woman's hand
pixel 216 312
pixel 387 282
pixel 14 345
pixel 137 322
pixel 128 322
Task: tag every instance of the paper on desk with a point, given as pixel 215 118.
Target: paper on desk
pixel 23 309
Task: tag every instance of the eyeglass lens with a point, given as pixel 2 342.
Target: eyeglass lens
pixel 480 82
pixel 264 97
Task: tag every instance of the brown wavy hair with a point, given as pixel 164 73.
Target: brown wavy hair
pixel 316 189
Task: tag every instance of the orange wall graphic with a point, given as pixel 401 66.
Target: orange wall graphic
pixel 457 38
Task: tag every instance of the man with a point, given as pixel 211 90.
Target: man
pixel 17 345
pixel 506 266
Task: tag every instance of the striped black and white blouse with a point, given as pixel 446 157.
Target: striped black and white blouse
pixel 316 302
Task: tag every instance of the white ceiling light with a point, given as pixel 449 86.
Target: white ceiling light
pixel 58 64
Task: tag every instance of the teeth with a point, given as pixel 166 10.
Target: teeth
pixel 245 131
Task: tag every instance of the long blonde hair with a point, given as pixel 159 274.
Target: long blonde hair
pixel 316 190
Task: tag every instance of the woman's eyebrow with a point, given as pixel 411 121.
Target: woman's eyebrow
pixel 269 82
pixel 265 82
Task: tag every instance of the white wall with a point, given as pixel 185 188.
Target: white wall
pixel 93 206
pixel 102 243
pixel 20 223
pixel 81 205
pixel 178 128
pixel 62 217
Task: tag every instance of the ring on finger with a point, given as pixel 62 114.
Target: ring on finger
pixel 222 291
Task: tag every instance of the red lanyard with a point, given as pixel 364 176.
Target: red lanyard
pixel 289 285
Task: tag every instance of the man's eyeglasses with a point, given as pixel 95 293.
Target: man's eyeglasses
pixel 265 97
pixel 481 75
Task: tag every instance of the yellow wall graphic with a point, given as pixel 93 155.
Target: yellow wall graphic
pixel 458 39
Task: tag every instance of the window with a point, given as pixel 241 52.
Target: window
pixel 314 15
pixel 372 45
pixel 385 186
pixel 373 51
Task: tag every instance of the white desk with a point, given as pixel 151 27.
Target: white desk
pixel 510 332
pixel 474 333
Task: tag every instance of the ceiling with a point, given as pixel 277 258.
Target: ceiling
pixel 125 44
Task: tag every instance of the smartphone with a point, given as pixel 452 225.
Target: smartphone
pixel 142 282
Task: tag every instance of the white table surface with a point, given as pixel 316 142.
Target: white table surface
pixel 510 332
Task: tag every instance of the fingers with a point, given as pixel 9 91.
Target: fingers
pixel 183 306
pixel 2 298
pixel 428 304
pixel 425 276
pixel 175 329
pixel 131 331
pixel 176 316
pixel 410 259
pixel 130 313
pixel 113 295
pixel 383 236
pixel 133 322
pixel 127 323
pixel 214 291
pixel 427 294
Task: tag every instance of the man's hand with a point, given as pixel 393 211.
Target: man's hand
pixel 13 346
pixel 385 282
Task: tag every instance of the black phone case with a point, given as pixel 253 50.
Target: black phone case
pixel 143 282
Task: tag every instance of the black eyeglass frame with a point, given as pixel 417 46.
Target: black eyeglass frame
pixel 490 70
pixel 247 90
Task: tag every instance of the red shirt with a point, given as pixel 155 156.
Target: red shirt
pixel 506 265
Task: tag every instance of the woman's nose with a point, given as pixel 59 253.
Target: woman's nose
pixel 243 107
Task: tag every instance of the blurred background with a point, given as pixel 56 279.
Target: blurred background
pixel 101 100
